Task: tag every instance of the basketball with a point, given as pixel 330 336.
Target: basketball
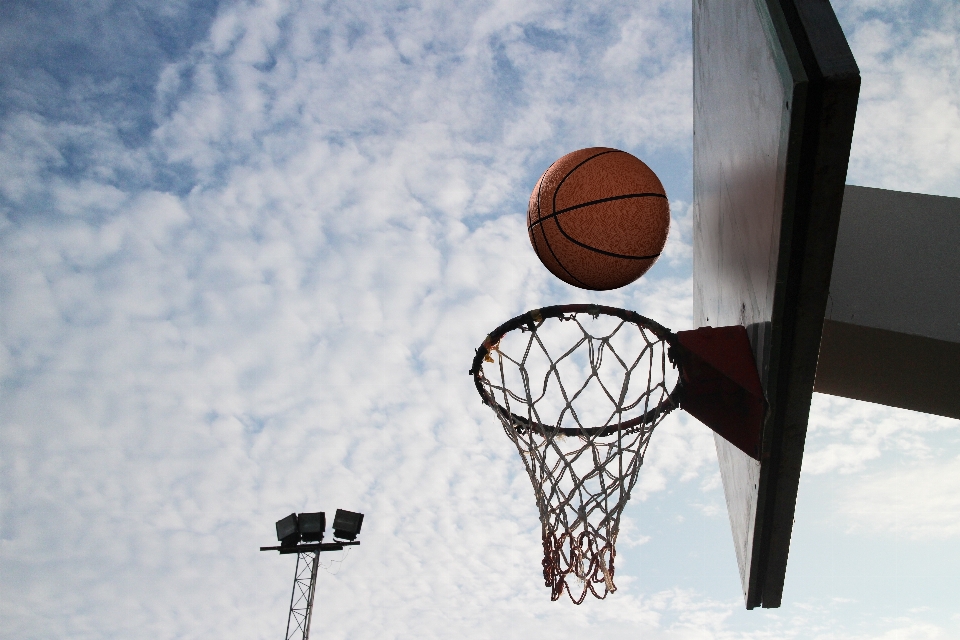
pixel 598 218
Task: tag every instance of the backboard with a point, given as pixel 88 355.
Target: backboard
pixel 775 97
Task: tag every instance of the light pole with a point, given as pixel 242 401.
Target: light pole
pixel 303 535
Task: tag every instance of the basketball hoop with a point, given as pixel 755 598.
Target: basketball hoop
pixel 579 390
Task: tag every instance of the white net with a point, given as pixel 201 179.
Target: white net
pixel 579 390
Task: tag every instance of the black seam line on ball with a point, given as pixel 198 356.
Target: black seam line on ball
pixel 600 201
pixel 576 281
pixel 601 251
pixel 556 189
pixel 546 240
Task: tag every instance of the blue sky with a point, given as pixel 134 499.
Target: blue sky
pixel 246 253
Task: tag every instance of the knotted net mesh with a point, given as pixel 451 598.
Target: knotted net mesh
pixel 579 390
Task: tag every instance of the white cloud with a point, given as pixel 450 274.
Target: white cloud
pixel 270 301
pixel 846 436
pixel 293 333
pixel 916 500
pixel 907 135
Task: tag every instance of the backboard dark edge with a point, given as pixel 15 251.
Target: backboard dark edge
pixel 813 198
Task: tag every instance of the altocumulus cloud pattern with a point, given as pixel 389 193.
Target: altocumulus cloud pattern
pixel 247 250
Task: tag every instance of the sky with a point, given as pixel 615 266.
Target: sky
pixel 247 251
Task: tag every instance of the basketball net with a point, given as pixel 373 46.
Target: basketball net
pixel 579 390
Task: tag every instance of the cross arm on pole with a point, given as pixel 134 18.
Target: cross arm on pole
pixel 318 546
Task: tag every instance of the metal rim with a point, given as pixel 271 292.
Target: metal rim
pixel 532 319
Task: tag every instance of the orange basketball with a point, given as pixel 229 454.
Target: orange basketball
pixel 598 218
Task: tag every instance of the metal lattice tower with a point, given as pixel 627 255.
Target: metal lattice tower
pixel 301 600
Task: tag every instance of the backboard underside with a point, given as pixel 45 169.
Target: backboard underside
pixel 775 92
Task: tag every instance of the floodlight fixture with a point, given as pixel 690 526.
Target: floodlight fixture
pixel 309 528
pixel 346 524
pixel 288 532
pixel 312 526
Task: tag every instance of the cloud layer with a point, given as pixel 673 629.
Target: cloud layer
pixel 248 251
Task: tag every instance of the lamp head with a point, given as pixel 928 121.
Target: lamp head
pixel 346 524
pixel 288 532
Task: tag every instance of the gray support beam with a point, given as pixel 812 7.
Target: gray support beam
pixel 892 328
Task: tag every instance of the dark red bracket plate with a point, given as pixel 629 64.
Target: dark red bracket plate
pixel 721 386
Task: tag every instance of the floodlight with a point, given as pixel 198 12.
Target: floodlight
pixel 312 526
pixel 287 532
pixel 346 524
